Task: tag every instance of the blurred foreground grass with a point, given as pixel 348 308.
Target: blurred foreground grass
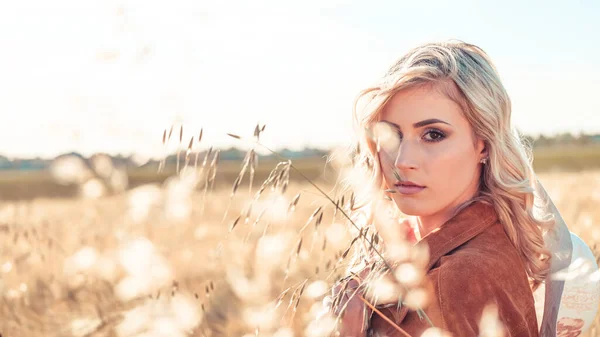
pixel 163 260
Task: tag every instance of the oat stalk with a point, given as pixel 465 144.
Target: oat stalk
pixel 386 265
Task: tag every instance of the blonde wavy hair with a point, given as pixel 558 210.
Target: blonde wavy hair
pixel 465 73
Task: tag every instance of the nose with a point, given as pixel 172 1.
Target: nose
pixel 407 157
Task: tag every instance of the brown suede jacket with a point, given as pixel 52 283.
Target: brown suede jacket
pixel 472 263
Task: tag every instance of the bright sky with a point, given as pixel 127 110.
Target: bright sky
pixel 111 75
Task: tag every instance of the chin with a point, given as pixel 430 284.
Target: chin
pixel 411 207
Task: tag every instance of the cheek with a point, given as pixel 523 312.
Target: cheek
pixel 451 165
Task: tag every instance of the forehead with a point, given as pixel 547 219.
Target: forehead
pixel 422 102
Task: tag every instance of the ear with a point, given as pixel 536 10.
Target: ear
pixel 482 149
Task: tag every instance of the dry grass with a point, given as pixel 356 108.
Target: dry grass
pixel 181 258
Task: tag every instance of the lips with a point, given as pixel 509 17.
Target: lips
pixel 408 188
pixel 408 184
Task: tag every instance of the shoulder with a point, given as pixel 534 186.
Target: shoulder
pixel 490 254
pixel 470 277
pixel 485 271
pixel 488 265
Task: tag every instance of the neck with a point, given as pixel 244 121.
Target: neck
pixel 429 223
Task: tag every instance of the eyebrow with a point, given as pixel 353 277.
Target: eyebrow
pixel 421 123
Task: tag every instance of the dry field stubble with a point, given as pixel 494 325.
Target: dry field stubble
pixel 173 259
pixel 163 260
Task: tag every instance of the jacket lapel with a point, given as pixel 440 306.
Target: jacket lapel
pixel 462 227
pixel 467 224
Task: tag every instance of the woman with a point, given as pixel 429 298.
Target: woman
pixel 438 140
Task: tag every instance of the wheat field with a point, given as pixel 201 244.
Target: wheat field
pixel 186 258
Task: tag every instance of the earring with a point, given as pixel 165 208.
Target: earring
pixel 483 161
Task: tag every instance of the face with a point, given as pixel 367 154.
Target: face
pixel 426 140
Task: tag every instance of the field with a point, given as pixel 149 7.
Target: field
pixel 167 257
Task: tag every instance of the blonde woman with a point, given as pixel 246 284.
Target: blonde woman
pixel 435 134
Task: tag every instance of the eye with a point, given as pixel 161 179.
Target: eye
pixel 434 136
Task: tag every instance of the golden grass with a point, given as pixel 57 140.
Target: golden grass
pixel 87 267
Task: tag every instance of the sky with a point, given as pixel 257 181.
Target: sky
pixel 111 75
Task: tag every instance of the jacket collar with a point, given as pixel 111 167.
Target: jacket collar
pixel 466 224
pixel 469 222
